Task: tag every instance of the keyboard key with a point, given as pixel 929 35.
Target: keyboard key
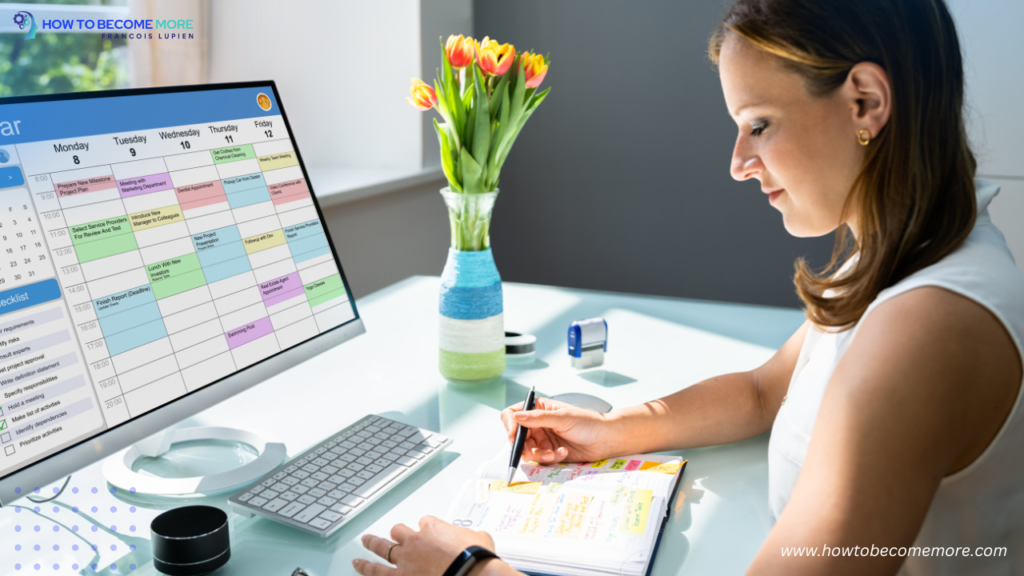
pixel 316 492
pixel 357 452
pixel 355 466
pixel 407 445
pixel 320 462
pixel 365 446
pixel 291 481
pixel 319 476
pixel 300 474
pixel 345 473
pixel 291 469
pixel 383 462
pixel 375 455
pixel 330 516
pixel 424 448
pixel 382 436
pixel 389 443
pixel 347 487
pixel 311 468
pixel 355 480
pixel 268 494
pixel 434 442
pixel 327 501
pixel 291 509
pixel 306 499
pixel 280 476
pixel 347 444
pixel 373 441
pixel 329 470
pixel 320 523
pixel 418 436
pixel 379 481
pixel 365 475
pixel 349 457
pixel 300 489
pixel 341 509
pixel 320 450
pixel 275 505
pixel 257 489
pixel 406 461
pixel 416 454
pixel 407 431
pixel 373 429
pixel 364 434
pixel 309 513
pixel 337 494
pixel 398 451
pixel 328 486
pixel 389 457
pixel 310 483
pixel 352 501
pixel 245 497
pixel 364 460
pixel 329 456
pixel 257 502
pixel 330 444
pixel 373 468
pixel 289 496
pixel 338 450
pixel 338 478
pixel 279 487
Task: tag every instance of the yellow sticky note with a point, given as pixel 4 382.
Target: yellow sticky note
pixel 599 463
pixel 667 468
pixel 573 511
pixel 515 487
pixel 638 504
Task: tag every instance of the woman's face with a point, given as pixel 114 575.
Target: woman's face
pixel 803 149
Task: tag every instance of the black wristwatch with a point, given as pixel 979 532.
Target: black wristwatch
pixel 468 559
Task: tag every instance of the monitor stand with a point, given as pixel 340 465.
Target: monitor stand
pixel 117 469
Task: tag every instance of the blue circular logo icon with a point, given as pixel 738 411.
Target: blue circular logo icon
pixel 4 156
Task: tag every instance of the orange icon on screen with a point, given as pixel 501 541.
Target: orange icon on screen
pixel 264 101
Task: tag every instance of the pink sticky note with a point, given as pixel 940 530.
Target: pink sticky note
pixel 633 465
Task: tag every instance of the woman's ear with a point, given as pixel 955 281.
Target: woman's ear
pixel 870 96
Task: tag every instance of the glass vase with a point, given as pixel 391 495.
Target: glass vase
pixel 472 330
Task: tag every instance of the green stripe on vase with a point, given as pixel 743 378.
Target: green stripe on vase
pixel 472 368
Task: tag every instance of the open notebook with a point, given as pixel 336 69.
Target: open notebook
pixel 575 519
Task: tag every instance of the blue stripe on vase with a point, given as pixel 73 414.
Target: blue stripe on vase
pixel 471 303
pixel 470 269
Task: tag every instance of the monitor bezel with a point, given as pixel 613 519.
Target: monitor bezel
pixel 89 450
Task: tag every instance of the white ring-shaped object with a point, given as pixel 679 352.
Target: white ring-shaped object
pixel 117 469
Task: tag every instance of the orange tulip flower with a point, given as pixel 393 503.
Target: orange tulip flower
pixel 493 58
pixel 423 96
pixel 460 51
pixel 535 68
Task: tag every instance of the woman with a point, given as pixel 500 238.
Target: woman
pixel 894 410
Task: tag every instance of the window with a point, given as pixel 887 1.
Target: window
pixel 55 62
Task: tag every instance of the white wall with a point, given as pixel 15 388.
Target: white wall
pixel 993 46
pixel 342 68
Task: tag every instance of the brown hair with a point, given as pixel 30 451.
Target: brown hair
pixel 914 197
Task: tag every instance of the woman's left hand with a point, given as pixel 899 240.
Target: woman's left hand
pixel 427 552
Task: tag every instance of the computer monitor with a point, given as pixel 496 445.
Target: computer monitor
pixel 162 250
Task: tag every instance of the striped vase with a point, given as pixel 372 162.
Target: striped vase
pixel 472 332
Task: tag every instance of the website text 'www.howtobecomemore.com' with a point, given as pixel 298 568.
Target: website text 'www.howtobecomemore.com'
pixel 900 552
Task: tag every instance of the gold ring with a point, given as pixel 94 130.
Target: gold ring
pixel 387 556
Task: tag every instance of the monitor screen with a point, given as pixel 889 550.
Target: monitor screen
pixel 154 243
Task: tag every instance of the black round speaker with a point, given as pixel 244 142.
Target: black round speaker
pixel 190 540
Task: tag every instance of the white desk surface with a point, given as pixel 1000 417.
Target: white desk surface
pixel 656 346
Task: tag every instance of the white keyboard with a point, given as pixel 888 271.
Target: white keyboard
pixel 325 487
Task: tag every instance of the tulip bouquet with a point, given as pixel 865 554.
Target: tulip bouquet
pixel 485 93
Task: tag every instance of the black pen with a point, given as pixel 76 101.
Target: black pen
pixel 517 448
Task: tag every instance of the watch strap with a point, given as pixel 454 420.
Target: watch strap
pixel 468 558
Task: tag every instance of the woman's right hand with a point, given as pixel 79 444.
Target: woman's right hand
pixel 561 432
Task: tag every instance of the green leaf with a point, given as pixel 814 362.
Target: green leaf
pixel 447 163
pixel 496 95
pixel 536 100
pixel 472 182
pixel 451 89
pixel 482 129
pixel 442 106
pixel 492 161
pixel 515 114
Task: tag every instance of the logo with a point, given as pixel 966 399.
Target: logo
pixel 263 101
pixel 22 18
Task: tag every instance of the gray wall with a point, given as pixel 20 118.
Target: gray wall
pixel 621 179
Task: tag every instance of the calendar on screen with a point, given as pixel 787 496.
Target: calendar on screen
pixel 152 244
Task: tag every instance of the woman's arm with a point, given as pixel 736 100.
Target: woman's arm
pixel 925 386
pixel 715 411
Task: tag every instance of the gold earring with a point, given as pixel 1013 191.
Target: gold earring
pixel 864 136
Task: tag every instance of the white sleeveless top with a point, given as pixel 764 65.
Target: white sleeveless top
pixel 981 505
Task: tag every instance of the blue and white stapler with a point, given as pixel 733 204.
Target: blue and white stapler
pixel 588 341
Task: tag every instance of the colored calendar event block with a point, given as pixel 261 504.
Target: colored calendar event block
pixel 156 217
pixel 144 185
pixel 290 191
pixel 84 185
pixel 324 290
pixel 221 253
pixel 249 332
pixel 233 154
pixel 95 240
pixel 264 241
pixel 246 190
pixel 306 240
pixel 281 289
pixel 129 319
pixel 275 161
pixel 175 275
pixel 200 195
